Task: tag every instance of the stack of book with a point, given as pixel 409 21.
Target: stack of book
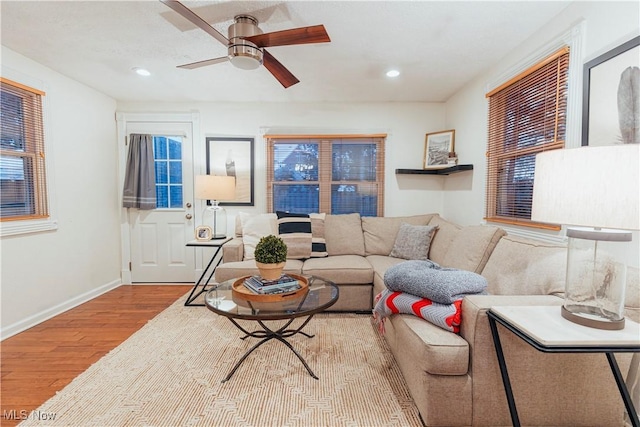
pixel 284 284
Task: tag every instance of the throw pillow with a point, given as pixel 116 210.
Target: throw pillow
pixel 446 316
pixel 413 241
pixel 318 242
pixel 295 230
pixel 255 227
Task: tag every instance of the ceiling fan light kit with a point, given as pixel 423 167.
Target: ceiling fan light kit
pixel 242 53
pixel 246 43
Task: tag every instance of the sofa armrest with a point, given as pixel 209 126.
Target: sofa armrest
pixel 233 250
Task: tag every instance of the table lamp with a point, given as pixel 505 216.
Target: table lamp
pixel 594 191
pixel 215 188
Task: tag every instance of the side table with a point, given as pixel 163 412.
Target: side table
pixel 546 330
pixel 213 243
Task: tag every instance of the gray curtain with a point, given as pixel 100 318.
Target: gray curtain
pixel 140 178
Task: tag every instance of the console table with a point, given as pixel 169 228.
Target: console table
pixel 213 243
pixel 546 330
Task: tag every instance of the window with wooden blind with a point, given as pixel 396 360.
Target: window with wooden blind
pixel 527 115
pixel 22 162
pixel 335 174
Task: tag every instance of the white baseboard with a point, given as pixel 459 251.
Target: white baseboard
pixel 15 328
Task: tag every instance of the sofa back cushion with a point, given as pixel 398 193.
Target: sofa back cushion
pixel 254 227
pixel 447 232
pixel 472 246
pixel 380 232
pixel 520 266
pixel 343 234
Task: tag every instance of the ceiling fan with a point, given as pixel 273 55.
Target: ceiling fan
pixel 246 43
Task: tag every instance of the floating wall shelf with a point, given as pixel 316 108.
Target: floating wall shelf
pixel 443 171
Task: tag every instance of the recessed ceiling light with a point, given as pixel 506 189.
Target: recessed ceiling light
pixel 393 73
pixel 141 71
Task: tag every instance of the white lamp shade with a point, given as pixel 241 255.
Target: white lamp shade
pixel 214 187
pixel 588 186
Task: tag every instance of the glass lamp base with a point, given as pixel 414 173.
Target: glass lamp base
pixel 591 317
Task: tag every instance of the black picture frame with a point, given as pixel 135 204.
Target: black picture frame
pixel 588 82
pixel 233 156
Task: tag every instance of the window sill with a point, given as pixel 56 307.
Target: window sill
pixel 14 228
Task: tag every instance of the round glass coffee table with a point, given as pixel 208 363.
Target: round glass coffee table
pixel 228 302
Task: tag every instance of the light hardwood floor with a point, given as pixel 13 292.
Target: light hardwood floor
pixel 42 360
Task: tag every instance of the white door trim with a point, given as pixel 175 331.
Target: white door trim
pixel 122 119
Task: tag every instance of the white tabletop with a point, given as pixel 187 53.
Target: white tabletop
pixel 545 325
pixel 212 242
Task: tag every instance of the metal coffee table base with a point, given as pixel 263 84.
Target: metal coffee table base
pixel 267 334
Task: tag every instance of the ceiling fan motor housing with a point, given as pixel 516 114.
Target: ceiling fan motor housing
pixel 242 53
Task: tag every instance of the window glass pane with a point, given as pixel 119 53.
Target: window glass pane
pixel 175 196
pixel 12 122
pixel 299 198
pixel 353 162
pixel 160 147
pixel 354 198
pixel 515 187
pixel 162 174
pixel 295 162
pixel 175 149
pixel 16 193
pixel 175 172
pixel 162 196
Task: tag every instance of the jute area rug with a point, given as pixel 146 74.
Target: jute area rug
pixel 169 374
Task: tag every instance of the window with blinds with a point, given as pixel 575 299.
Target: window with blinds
pixel 527 115
pixel 22 163
pixel 336 174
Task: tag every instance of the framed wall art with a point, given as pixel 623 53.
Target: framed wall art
pixel 437 146
pixel 233 157
pixel 610 84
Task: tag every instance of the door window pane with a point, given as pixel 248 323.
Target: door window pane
pixel 168 165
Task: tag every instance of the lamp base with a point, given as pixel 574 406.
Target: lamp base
pixel 592 318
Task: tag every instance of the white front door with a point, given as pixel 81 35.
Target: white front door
pixel 158 236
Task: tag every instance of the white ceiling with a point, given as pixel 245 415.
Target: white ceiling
pixel 438 46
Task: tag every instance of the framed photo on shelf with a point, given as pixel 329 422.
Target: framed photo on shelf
pixel 203 233
pixel 437 146
pixel 609 88
pixel 233 157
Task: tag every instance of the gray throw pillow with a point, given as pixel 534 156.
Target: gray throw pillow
pixel 413 241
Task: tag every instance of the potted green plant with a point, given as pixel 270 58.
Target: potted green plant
pixel 270 255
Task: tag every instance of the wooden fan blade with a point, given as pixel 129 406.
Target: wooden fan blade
pixel 196 20
pixel 204 63
pixel 303 35
pixel 278 70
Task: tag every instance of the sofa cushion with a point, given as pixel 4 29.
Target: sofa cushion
pixel 471 248
pixel 255 227
pixel 431 348
pixel 520 266
pixel 447 232
pixel 380 232
pixel 295 230
pixel 343 234
pixel 342 269
pixel 318 241
pixel 234 270
pixel 413 241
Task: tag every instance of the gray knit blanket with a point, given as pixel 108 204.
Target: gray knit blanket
pixel 427 279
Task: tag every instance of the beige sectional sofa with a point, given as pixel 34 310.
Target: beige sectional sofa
pixel 454 379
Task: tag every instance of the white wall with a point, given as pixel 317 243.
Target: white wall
pixel 405 124
pixel 45 273
pixel 607 24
